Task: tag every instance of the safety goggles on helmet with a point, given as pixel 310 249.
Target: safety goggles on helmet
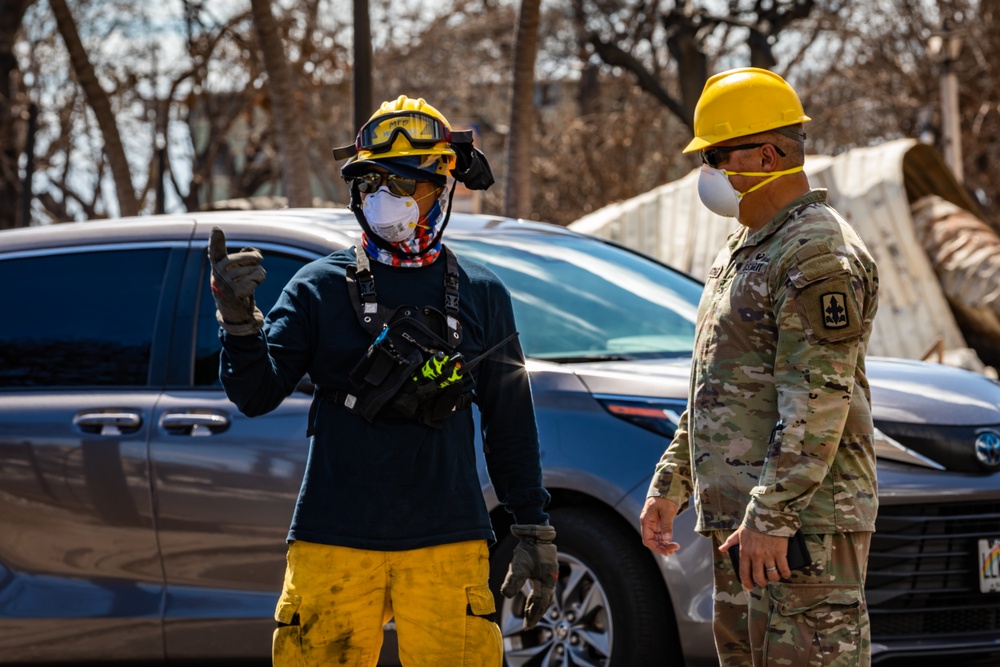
pixel 715 156
pixel 420 129
pixel 398 185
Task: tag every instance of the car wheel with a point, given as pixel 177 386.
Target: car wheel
pixel 610 608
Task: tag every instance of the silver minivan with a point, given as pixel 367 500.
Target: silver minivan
pixel 143 518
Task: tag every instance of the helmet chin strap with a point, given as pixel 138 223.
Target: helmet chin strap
pixel 355 206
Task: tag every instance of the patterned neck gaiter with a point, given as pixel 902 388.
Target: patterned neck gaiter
pixel 422 239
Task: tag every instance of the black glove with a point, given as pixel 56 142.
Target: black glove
pixel 234 278
pixel 535 561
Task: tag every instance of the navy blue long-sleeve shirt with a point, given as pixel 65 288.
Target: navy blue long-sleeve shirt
pixel 393 484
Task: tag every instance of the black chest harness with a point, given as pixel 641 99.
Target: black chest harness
pixel 412 369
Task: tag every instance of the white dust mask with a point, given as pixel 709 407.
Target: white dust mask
pixel 392 218
pixel 718 194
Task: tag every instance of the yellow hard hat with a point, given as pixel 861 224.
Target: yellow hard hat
pixel 743 101
pixel 402 128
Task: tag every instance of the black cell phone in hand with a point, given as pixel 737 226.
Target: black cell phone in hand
pixel 798 553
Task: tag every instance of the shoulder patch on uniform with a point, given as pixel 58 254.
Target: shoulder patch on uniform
pixel 835 316
pixel 830 310
pixel 811 250
pixel 819 266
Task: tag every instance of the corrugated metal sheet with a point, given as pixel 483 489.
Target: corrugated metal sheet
pixel 869 188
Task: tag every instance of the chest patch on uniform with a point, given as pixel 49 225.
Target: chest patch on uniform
pixel 753 267
pixel 835 315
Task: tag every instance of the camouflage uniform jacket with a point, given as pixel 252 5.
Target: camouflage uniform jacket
pixel 778 432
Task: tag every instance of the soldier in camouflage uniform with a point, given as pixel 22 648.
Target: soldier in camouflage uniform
pixel 778 434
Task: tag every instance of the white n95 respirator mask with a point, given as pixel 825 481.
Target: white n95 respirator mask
pixel 718 194
pixel 392 218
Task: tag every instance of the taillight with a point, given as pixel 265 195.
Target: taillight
pixel 657 415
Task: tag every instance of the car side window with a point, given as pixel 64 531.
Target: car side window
pixel 280 269
pixel 79 319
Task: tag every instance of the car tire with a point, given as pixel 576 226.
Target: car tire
pixel 610 610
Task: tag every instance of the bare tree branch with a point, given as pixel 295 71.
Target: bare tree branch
pixel 98 100
pixel 614 56
pixel 287 120
pixel 12 120
pixel 517 202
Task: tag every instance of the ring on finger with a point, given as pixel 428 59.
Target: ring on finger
pixel 771 569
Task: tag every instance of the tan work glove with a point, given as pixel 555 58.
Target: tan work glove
pixel 535 561
pixel 234 278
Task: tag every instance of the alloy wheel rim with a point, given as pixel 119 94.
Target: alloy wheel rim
pixel 575 631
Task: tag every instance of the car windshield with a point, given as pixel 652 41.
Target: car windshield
pixel 579 299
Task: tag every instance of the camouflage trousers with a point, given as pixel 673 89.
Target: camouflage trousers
pixel 816 618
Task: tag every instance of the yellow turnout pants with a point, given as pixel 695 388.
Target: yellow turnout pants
pixel 335 601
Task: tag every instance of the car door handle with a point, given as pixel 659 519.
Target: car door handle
pixel 108 422
pixel 194 423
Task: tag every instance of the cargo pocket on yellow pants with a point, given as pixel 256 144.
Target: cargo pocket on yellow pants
pixel 814 624
pixel 286 645
pixel 483 644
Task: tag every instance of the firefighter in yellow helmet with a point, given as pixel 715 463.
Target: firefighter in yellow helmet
pixel 415 143
pixel 400 336
pixel 776 449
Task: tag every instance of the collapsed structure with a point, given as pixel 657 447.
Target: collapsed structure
pixel 938 258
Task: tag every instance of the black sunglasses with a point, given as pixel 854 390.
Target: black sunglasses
pixel 713 157
pixel 398 185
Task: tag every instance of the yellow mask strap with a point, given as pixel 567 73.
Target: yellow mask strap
pixel 436 190
pixel 772 176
